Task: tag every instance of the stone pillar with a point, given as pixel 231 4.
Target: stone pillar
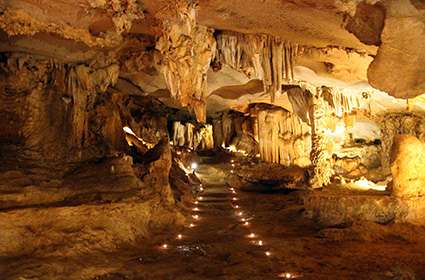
pixel 321 158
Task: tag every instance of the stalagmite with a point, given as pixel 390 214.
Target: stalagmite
pixel 187 50
pixel 393 124
pixel 320 156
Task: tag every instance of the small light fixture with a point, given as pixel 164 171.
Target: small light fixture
pixel 194 166
pixel 200 198
pixel 268 253
pixel 196 217
pixel 196 209
pixel 237 206
pixel 234 199
pixel 260 243
pixel 240 213
pixel 246 224
pixel 179 236
pixel 251 235
pixel 191 225
pixel 164 246
pixel 196 202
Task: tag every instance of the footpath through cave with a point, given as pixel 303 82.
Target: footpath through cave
pixel 224 240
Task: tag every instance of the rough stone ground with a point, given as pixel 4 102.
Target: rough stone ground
pixel 218 247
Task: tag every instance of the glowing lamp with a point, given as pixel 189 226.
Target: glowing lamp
pixel 191 225
pixel 251 235
pixel 164 246
pixel 194 165
pixel 267 253
pixel 179 236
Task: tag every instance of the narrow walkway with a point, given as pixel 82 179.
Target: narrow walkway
pixel 221 243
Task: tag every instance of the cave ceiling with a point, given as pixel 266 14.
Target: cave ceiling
pixel 349 44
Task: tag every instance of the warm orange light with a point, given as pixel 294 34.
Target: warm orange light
pixel 267 253
pixel 164 246
pixel 191 225
pixel 246 224
pixel 179 236
pixel 251 235
pixel 195 217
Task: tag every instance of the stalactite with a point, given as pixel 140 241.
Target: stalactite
pixel 187 50
pixel 259 56
pixel 228 128
pixel 195 138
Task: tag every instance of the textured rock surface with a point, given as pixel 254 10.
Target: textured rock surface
pixel 407 166
pixel 402 51
pixel 337 208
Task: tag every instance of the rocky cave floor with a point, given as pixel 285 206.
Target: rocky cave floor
pixel 219 246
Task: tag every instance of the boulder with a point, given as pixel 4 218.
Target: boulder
pixel 408 166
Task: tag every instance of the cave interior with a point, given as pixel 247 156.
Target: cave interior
pixel 212 139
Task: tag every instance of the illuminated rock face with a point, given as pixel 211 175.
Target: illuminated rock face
pixel 187 50
pixel 193 137
pixel 268 58
pixel 407 166
pixel 393 124
pixel 282 136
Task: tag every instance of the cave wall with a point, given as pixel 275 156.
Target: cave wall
pixel 46 110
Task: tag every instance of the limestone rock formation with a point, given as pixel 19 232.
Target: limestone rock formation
pixel 193 137
pixel 393 124
pixel 407 166
pixel 402 38
pixel 187 50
